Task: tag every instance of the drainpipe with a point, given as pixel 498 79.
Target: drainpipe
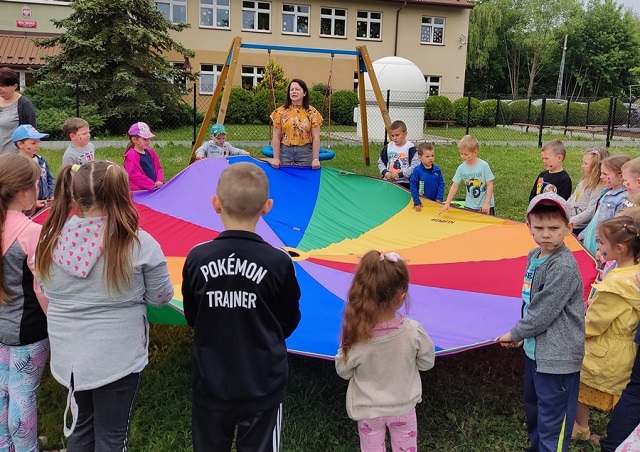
pixel 395 41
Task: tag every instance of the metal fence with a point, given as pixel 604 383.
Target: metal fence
pixel 439 118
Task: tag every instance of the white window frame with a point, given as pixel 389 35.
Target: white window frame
pixel 255 72
pixel 173 4
pixel 333 18
pixel 215 71
pixel 432 23
pixel 369 20
pixel 256 11
pixel 215 7
pixel 296 15
pixel 182 82
pixel 433 82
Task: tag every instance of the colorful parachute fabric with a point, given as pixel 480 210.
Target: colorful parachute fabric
pixel 466 268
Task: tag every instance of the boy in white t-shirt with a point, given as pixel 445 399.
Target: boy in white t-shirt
pixel 398 158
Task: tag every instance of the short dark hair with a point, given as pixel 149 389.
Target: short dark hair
pixel 9 77
pixel 398 125
pixel 424 147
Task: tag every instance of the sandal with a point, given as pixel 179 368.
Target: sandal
pixel 581 433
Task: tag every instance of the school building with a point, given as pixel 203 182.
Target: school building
pixel 430 33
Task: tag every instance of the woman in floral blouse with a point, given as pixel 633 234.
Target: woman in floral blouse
pixel 296 129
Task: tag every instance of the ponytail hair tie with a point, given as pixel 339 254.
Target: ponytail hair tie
pixel 391 257
pixel 75 168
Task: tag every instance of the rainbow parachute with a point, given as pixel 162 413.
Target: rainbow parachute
pixel 466 268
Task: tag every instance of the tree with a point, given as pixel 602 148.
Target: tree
pixel 273 72
pixel 117 48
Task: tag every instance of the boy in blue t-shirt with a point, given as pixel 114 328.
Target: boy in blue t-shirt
pixel 477 178
pixel 426 179
pixel 551 327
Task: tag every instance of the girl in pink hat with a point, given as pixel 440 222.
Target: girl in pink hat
pixel 140 161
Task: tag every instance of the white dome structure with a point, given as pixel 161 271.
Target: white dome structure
pixel 408 91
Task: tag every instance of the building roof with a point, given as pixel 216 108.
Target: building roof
pixel 21 51
pixel 456 3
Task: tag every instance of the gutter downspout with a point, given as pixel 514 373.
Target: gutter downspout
pixel 395 40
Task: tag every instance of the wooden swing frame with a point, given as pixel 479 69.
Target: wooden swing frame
pixel 225 83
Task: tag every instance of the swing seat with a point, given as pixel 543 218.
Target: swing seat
pixel 325 154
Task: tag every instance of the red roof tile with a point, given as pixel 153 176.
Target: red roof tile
pixel 20 50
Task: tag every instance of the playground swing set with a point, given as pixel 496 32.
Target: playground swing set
pixel 224 85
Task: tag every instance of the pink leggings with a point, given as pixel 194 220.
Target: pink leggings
pixel 403 431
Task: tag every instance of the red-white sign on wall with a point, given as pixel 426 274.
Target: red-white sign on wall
pixel 26 11
pixel 26 24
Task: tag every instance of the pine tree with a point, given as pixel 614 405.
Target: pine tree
pixel 113 53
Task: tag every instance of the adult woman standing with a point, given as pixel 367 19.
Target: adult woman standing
pixel 15 109
pixel 296 129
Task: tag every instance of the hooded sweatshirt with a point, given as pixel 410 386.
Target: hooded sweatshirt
pixel 100 334
pixel 22 318
pixel 610 325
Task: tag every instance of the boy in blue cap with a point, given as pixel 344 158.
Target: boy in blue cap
pixel 217 147
pixel 27 140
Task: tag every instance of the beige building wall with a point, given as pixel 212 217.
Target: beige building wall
pixel 445 61
pixel 41 12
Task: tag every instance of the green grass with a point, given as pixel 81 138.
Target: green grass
pixel 471 401
pixel 252 132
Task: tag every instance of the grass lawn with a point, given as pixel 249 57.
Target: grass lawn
pixel 472 401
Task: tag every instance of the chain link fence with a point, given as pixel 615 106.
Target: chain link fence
pixel 438 118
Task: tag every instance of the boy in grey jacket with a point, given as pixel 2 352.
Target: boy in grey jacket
pixel 552 327
pixel 217 147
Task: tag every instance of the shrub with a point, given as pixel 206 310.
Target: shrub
pixel 342 105
pixel 554 114
pixel 264 106
pixel 460 110
pixel 598 112
pixel 518 110
pixel 50 120
pixel 504 114
pixel 487 113
pixel 316 99
pixel 241 108
pixel 577 114
pixel 438 107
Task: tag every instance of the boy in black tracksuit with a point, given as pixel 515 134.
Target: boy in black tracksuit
pixel 241 297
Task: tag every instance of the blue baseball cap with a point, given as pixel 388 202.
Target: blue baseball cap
pixel 27 131
pixel 217 129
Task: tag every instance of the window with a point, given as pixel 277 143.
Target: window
pixel 173 10
pixel 179 80
pixel 355 81
pixel 209 74
pixel 214 13
pixel 251 76
pixel 333 22
pixel 256 16
pixel 432 30
pixel 433 84
pixel 295 19
pixel 369 25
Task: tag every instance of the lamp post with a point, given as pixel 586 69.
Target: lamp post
pixel 186 69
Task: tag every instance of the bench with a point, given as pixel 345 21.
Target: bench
pixel 446 122
pixel 524 125
pixel 593 131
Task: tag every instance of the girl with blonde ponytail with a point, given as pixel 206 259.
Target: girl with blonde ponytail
pixel 99 271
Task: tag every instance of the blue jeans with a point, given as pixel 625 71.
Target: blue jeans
pixel 550 402
pixel 104 416
pixel 626 414
pixel 296 155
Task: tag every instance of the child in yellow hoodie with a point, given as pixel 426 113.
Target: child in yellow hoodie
pixel 611 323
